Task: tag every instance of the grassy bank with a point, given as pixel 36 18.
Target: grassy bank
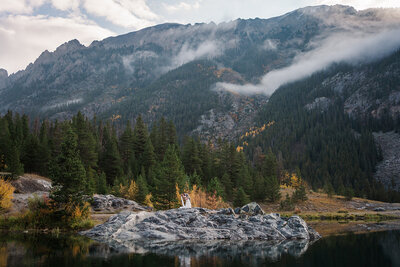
pixel 344 216
pixel 27 222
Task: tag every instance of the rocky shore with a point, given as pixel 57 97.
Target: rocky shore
pixel 154 230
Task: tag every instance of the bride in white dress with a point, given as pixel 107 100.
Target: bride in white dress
pixel 185 199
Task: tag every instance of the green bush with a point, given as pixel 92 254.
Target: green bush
pixel 287 204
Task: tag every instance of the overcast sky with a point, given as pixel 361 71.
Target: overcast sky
pixel 28 27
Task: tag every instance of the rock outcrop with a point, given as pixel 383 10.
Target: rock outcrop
pixel 30 184
pixel 388 170
pixel 127 228
pixel 110 203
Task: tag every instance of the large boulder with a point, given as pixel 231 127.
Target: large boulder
pixel 110 203
pixel 198 224
pixel 30 184
pixel 250 209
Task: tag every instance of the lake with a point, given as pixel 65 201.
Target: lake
pixel 370 249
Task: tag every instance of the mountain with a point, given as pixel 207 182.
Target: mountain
pixel 335 71
pixel 122 76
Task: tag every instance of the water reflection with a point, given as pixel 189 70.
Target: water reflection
pixel 271 250
pixel 373 249
pixel 39 250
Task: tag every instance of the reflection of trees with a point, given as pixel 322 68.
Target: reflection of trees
pixel 3 256
pixel 35 249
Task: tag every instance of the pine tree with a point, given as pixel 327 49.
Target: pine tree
pixel 86 142
pixel 110 160
pixel 140 136
pixel 31 156
pixel 259 188
pixel 14 164
pixel 227 184
pixel 143 190
pixel 172 138
pixel 102 184
pixel 126 147
pixel 160 138
pixel 270 165
pixel 149 158
pixel 169 174
pixel 190 158
pixel 349 193
pixel 272 189
pixel 44 151
pixel 328 189
pixel 241 198
pixel 215 187
pixel 68 173
pixel 300 193
pixel 246 181
pixel 195 179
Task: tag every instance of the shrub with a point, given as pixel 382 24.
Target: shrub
pixel 6 194
pixel 349 193
pixel 241 198
pixel 300 193
pixel 287 204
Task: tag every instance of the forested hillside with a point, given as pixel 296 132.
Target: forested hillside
pixel 324 124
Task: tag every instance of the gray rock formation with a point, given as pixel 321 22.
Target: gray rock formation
pixel 26 184
pixel 110 203
pixel 388 170
pixel 250 209
pixel 128 229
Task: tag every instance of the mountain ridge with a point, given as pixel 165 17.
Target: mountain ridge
pixel 102 76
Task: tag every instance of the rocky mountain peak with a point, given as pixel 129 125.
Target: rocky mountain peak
pixel 68 47
pixel 3 74
pixel 44 58
pixel 3 78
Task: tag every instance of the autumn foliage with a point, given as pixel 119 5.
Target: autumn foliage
pixel 131 192
pixel 6 194
pixel 200 198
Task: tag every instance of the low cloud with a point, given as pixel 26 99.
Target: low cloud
pixel 360 4
pixel 208 49
pixel 130 60
pixel 364 41
pixel 269 45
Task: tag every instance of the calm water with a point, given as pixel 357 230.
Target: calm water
pixel 373 249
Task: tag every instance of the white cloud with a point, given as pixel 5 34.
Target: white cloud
pixel 65 5
pixel 269 45
pixel 19 6
pixel 360 4
pixel 348 47
pixel 23 38
pixel 182 6
pixel 134 14
pixel 207 49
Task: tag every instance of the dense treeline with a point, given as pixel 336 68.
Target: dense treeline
pixel 332 150
pixel 86 156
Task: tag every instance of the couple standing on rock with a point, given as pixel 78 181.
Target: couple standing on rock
pixel 185 199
